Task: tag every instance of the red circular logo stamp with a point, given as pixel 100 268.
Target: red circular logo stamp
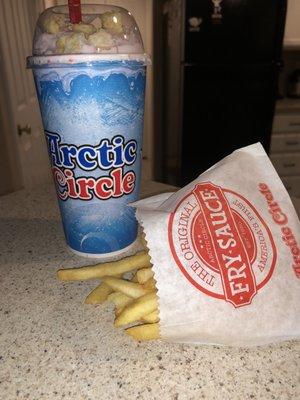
pixel 221 244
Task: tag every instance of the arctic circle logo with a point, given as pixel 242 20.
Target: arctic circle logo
pixel 221 244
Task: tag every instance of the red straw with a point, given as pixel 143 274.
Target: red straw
pixel 74 11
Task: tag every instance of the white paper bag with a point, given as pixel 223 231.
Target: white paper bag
pixel 226 256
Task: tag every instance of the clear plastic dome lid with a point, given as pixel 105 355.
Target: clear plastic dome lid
pixel 101 29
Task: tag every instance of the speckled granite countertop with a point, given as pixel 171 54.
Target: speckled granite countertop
pixel 54 347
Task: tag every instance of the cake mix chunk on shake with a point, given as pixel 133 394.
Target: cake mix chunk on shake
pixel 90 68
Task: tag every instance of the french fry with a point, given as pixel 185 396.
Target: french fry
pixel 131 289
pixel 151 318
pixel 140 260
pixel 99 294
pixel 144 274
pixel 120 300
pixel 135 299
pixel 118 310
pixel 150 284
pixel 144 332
pixel 137 309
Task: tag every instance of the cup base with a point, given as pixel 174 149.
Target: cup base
pixel 115 255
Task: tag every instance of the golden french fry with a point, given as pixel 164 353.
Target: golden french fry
pixel 137 309
pixel 131 289
pixel 151 318
pixel 144 332
pixel 118 310
pixel 99 294
pixel 150 284
pixel 120 300
pixel 134 278
pixel 140 260
pixel 144 274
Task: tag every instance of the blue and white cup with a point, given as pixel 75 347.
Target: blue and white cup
pixel 92 108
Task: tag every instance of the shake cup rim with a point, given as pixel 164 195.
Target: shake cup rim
pixel 71 59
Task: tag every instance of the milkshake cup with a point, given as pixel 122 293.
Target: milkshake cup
pixel 90 82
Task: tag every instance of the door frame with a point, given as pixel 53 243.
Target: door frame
pixel 7 129
pixel 8 132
